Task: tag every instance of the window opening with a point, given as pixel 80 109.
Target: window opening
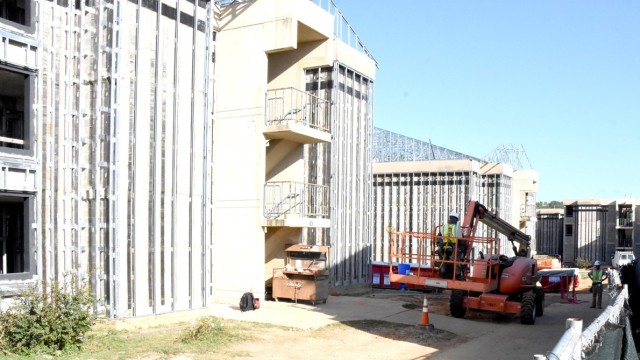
pixel 13 243
pixel 15 10
pixel 12 110
pixel 569 211
pixel 568 230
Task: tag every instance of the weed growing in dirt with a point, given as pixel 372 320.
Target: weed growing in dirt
pixel 209 329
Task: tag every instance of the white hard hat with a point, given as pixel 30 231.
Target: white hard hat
pixel 454 213
pixel 597 263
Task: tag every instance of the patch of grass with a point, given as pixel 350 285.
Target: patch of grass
pixel 207 339
pixel 111 344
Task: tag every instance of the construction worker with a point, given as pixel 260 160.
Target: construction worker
pixel 452 231
pixel 451 234
pixel 597 276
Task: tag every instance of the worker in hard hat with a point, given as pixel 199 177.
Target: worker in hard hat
pixel 597 276
pixel 451 235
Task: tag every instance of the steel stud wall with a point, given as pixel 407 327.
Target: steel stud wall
pixel 126 170
pixel 419 201
pixel 352 126
pixel 416 202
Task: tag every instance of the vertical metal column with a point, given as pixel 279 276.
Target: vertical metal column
pixel 191 157
pixel 46 200
pixel 174 171
pixel 79 142
pixel 114 254
pixel 207 167
pixel 154 173
pixel 75 173
pixel 35 212
pixel 69 225
pixel 134 117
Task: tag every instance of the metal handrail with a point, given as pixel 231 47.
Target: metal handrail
pixel 290 105
pixel 575 341
pixel 283 199
pixel 421 248
pixel 342 30
pixel 528 210
pixel 625 222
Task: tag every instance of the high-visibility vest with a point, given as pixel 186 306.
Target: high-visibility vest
pixel 450 233
pixel 597 276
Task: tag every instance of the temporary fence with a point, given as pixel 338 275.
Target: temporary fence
pixel 598 340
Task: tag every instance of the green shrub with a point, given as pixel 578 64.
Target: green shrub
pixel 210 329
pixel 583 263
pixel 47 320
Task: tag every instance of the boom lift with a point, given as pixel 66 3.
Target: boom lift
pixel 492 281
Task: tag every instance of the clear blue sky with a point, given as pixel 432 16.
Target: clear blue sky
pixel 560 78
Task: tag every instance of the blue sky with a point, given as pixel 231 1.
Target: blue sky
pixel 560 78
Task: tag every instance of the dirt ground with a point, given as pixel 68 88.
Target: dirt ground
pixel 358 339
pixel 369 339
pixel 351 340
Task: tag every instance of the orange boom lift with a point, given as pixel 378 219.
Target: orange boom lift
pixel 492 281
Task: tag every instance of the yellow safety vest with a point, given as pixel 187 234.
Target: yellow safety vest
pixel 450 234
pixel 597 276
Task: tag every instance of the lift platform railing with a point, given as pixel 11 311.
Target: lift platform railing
pixel 424 252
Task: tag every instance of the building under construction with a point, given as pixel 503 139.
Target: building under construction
pixel 165 151
pixel 590 229
pixel 417 184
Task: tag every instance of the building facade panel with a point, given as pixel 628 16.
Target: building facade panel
pixel 595 229
pixel 111 199
pixel 351 181
pixel 122 174
pixel 419 196
pixel 549 234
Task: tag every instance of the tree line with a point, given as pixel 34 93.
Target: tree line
pixel 549 205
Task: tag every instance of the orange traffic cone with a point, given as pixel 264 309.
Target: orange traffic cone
pixel 425 314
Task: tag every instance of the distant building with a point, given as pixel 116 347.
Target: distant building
pixel 592 229
pixel 549 231
pixel 417 184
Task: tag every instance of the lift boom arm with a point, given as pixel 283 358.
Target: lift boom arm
pixel 478 212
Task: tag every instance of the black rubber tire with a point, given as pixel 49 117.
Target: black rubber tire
pixel 456 304
pixel 539 301
pixel 528 308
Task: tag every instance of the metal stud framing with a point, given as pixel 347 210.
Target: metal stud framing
pixel 419 201
pixel 126 155
pixel 352 125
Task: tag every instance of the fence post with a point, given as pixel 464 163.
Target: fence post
pixel 570 344
pixel 575 326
